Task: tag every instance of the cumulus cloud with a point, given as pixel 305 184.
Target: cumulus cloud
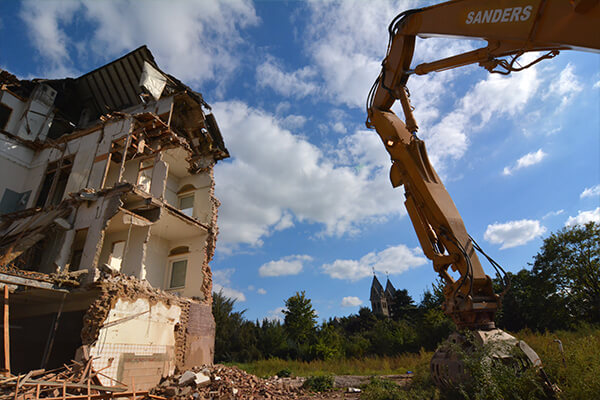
pixel 299 83
pixel 393 260
pixel 490 98
pixel 513 233
pixel 527 160
pixel 566 86
pixel 194 40
pixel 583 217
pixel 276 178
pixel 590 192
pixel 351 301
pixel 290 265
pixel 261 291
pixel 222 283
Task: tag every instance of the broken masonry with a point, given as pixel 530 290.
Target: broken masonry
pixel 108 221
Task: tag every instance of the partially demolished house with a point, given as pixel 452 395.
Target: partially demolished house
pixel 108 220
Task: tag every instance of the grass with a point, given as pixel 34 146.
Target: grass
pixel 578 376
pixel 367 366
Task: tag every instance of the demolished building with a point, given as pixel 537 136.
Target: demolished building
pixel 108 220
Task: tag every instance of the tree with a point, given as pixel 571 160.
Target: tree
pixel 228 325
pixel 300 319
pixel 570 259
pixel 403 306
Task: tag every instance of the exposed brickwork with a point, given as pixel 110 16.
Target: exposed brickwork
pixel 211 241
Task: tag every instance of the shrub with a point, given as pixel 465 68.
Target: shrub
pixel 284 373
pixel 320 383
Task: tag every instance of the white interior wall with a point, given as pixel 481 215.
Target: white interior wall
pixel 129 174
pixel 155 261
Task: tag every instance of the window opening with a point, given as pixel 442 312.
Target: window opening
pixel 186 204
pixel 13 201
pixel 78 245
pixel 55 182
pixel 178 270
pixel 116 255
pixel 5 112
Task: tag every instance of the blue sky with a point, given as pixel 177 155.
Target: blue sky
pixel 306 200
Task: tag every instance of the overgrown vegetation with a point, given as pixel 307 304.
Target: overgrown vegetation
pixel 318 383
pixel 555 302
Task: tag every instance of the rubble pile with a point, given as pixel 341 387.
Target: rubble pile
pixel 218 382
pixel 78 380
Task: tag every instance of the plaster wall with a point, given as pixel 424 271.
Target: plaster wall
pixel 131 263
pixel 146 341
pixel 109 131
pixel 155 262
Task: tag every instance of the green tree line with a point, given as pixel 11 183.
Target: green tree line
pixel 560 290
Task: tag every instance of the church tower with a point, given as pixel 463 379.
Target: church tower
pixel 379 304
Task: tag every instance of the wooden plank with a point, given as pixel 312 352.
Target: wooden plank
pixel 21 281
pixel 34 382
pixel 106 396
pixel 6 334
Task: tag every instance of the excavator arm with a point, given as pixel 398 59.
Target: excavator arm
pixel 511 28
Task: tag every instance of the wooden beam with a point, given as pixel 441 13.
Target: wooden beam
pixel 20 281
pixel 6 333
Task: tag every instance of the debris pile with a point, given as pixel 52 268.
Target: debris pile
pixel 77 380
pixel 218 382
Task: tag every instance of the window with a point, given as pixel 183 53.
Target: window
pixel 4 115
pixel 116 255
pixel 145 175
pixel 13 201
pixel 55 182
pixel 78 245
pixel 186 204
pixel 178 269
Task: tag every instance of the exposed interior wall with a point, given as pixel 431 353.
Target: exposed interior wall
pixel 135 240
pixel 155 262
pixel 130 173
pixel 140 338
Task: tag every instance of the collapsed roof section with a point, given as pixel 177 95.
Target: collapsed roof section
pixel 121 85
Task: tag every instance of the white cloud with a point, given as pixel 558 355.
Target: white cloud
pixel 553 214
pixel 290 265
pixel 513 233
pixel 393 260
pixel 45 21
pixel 590 192
pixel 276 314
pixel 351 301
pixel 298 83
pixel 491 98
pixel 193 40
pixel 276 175
pixel 566 86
pixel 261 291
pixel 222 283
pixel 527 160
pixel 596 85
pixel 583 217
pixel 293 122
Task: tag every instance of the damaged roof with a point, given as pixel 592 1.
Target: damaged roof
pixel 123 83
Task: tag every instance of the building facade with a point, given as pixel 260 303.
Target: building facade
pixel 108 218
